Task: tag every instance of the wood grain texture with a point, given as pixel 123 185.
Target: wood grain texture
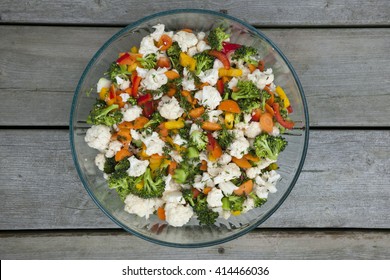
pixel 258 244
pixel 261 13
pixel 344 183
pixel 345 72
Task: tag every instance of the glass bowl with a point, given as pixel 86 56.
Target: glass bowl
pixel 153 229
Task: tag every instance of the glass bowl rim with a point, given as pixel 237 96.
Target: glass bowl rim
pixel 77 92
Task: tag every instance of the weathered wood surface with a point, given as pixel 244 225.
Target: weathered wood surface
pixel 259 244
pixel 344 184
pixel 345 72
pixel 261 13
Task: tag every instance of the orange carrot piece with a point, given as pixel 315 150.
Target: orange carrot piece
pixel 140 122
pixel 188 96
pixel 124 135
pixel 216 153
pixel 196 113
pixel 251 158
pixel 241 162
pixel 270 100
pixel 172 166
pixel 187 30
pixel 210 126
pixel 165 42
pixel 122 153
pixel 229 106
pixel 203 165
pixel 203 85
pixel 206 190
pixel 161 213
pixel 244 188
pixel 251 67
pixel 269 109
pixel 266 122
pixel 171 75
pixel 125 125
pixel 171 92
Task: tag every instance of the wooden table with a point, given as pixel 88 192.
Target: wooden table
pixel 340 206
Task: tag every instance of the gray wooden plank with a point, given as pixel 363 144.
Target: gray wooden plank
pixel 344 183
pixel 258 244
pixel 345 72
pixel 264 13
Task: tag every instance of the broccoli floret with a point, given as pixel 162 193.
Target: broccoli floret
pixel 205 215
pixel 192 153
pixel 186 172
pixel 225 138
pixel 246 89
pixel 155 121
pixel 131 100
pixel 149 61
pixel 122 165
pixel 204 62
pixel 264 96
pixel 216 37
pixel 180 175
pixel 117 70
pixel 184 132
pixel 103 114
pixel 233 203
pixel 148 187
pixel 118 180
pixel 174 53
pixel 109 165
pixel 248 105
pixel 199 140
pixel 268 146
pixel 258 201
pixel 245 53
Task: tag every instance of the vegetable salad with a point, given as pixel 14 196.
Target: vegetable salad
pixel 189 125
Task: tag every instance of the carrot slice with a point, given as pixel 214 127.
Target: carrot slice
pixel 203 165
pixel 171 92
pixel 196 113
pixel 266 122
pixel 164 62
pixel 125 125
pixel 206 190
pixel 229 106
pixel 269 109
pixel 241 162
pixel 251 67
pixel 140 122
pixel 270 100
pixel 161 213
pixel 124 135
pixel 251 158
pixel 244 188
pixel 163 130
pixel 122 153
pixel 171 75
pixel 210 126
pixel 203 85
pixel 187 30
pixel 172 166
pixel 165 42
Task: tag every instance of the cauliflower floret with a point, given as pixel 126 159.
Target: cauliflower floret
pixel 233 83
pixel 192 51
pixel 154 79
pixel 261 79
pixel 202 46
pixel 214 197
pixel 137 167
pixel 201 35
pixel 142 207
pixel 113 148
pixel 178 140
pixel 225 159
pixel 245 70
pixel 177 215
pixel 185 40
pixel 153 143
pixel 171 185
pixel 209 97
pixel 135 135
pixel 248 204
pixel 175 155
pixel 228 173
pixel 147 46
pixel 169 108
pixel 217 64
pixel 213 115
pixel 222 213
pixel 142 72
pixel 275 131
pixel 261 191
pixel 124 96
pixel 103 83
pixel 209 76
pixel 240 145
pixel 227 187
pixel 131 113
pixel 195 127
pixel 173 197
pixel 212 168
pixel 122 83
pixel 100 160
pixel 187 82
pixel 254 171
pixel 271 176
pixel 202 181
pixel 253 130
pixel 98 137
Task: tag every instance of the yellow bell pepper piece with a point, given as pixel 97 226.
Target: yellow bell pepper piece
pixel 132 67
pixel 232 72
pixel 155 162
pixel 174 145
pixel 143 153
pixel 103 93
pixel 283 96
pixel 229 120
pixel 134 49
pixel 236 213
pixel 174 124
pixel 139 185
pixel 187 61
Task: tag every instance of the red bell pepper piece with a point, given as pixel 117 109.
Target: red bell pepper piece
pixel 229 47
pixel 220 86
pixel 289 109
pixel 112 94
pixel 136 82
pixel 144 98
pixel 148 109
pixel 222 57
pixel 195 192
pixel 285 123
pixel 125 59
pixel 256 115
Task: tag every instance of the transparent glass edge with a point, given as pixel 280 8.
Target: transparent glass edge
pixel 244 231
